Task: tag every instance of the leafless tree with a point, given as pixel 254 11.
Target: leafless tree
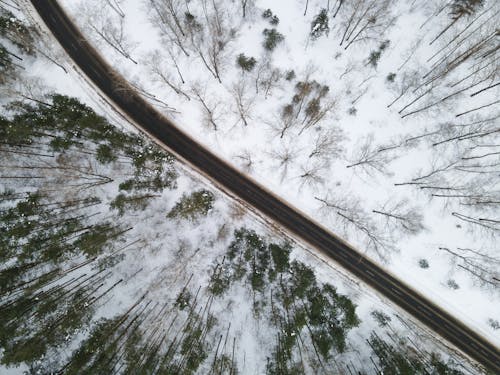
pixel 168 16
pixel 348 212
pixel 490 226
pixel 162 75
pixel 458 10
pixel 280 124
pixel 483 268
pixel 246 5
pixel 243 100
pixel 328 144
pixel 310 174
pixel 211 106
pixel 111 31
pixel 371 157
pixel 403 84
pixel 364 20
pixel 29 88
pixel 285 155
pixel 211 44
pixel 115 5
pixel 245 160
pixel 267 77
pixel 402 217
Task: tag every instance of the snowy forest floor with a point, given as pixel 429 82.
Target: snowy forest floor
pixel 118 259
pixel 379 119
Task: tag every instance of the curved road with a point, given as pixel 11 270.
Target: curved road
pixel 226 176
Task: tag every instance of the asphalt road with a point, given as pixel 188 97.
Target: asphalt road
pixel 229 179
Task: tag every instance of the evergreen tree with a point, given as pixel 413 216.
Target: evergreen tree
pixel 319 25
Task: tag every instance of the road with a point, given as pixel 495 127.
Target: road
pixel 231 180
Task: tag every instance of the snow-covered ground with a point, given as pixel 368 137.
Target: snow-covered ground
pixel 173 250
pixel 359 117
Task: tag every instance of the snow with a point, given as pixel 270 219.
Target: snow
pixel 167 240
pixel 328 62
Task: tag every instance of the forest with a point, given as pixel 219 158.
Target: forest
pixel 117 258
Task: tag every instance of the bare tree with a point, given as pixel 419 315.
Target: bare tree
pixel 115 5
pixel 211 44
pixel 267 77
pixel 459 9
pixel 211 107
pixel 311 174
pixel 401 216
pixel 328 144
pixel 168 16
pixel 162 75
pixel 245 160
pixel 243 100
pixel 246 5
pixel 478 263
pixel 348 212
pixel 403 84
pixel 365 20
pixel 284 156
pixel 108 27
pixel 371 157
pixel 489 226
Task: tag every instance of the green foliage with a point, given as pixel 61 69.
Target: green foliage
pixel 154 170
pixel 16 32
pixel 40 237
pixel 297 301
pixel 183 300
pixel 423 263
pixel 452 284
pixel 493 323
pixel 403 360
pixel 219 281
pixel 194 349
pixel 156 181
pixel 95 239
pixel 68 123
pixel 268 13
pixel 324 311
pixel 105 154
pixel 382 319
pixel 123 202
pixel 193 206
pixel 272 18
pixel 290 75
pixel 246 63
pixel 374 57
pixel 303 279
pixel 391 77
pixel 56 319
pixel 192 25
pixel 281 256
pixel 383 46
pixel 272 38
pixel 460 8
pixel 6 64
pixel 319 25
pixel 93 348
pixel 393 361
